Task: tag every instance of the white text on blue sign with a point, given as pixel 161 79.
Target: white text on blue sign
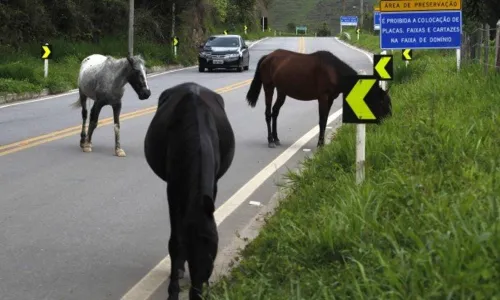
pixel 348 21
pixel 421 30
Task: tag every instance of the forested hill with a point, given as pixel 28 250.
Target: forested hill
pixel 312 13
pixel 24 21
pixel 285 14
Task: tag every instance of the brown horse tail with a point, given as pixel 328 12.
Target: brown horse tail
pixel 256 85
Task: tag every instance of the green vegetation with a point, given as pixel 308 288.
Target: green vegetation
pixel 424 224
pixel 79 28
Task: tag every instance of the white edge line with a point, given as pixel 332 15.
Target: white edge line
pixel 368 54
pixel 71 92
pixel 148 285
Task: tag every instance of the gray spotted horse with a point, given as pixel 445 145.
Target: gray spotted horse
pixel 103 79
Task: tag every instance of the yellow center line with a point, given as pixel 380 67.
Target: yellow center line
pixel 56 135
pixel 302 45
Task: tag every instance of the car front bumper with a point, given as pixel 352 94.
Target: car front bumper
pixel 232 62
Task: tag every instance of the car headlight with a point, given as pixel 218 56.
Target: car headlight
pixel 232 55
pixel 204 54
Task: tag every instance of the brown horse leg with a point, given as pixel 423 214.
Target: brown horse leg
pixel 280 100
pixel 269 91
pixel 324 105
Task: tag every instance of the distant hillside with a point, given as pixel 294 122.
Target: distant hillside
pixel 312 12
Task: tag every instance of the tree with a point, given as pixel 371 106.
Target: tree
pixel 324 30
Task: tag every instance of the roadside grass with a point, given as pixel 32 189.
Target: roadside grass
pixel 424 224
pixel 22 71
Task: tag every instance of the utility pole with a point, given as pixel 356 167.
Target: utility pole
pixel 131 28
pixel 173 19
pixel 361 17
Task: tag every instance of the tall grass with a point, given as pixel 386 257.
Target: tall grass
pixel 424 225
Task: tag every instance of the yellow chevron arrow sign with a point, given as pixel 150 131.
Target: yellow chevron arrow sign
pixel 407 54
pixel 46 51
pixel 383 66
pixel 356 99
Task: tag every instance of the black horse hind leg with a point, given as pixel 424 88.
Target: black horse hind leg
pixel 94 116
pixel 269 91
pixel 280 100
pixel 175 246
pixel 83 101
pixel 324 105
pixel 201 265
pixel 117 107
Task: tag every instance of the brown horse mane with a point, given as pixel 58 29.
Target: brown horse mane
pixel 333 61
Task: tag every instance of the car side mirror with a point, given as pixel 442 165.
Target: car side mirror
pixel 245 46
pixel 201 45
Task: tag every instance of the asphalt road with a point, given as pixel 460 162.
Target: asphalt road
pixel 77 225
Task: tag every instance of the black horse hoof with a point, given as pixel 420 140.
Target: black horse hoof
pixel 277 142
pixel 272 145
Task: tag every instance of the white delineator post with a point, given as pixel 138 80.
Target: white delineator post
pixel 361 142
pixel 45 68
pixel 383 83
pixel 360 152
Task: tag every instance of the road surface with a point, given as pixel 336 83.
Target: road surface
pixel 85 226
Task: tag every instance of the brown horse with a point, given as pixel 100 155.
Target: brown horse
pixel 304 77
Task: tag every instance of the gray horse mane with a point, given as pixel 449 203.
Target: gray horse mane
pixel 137 60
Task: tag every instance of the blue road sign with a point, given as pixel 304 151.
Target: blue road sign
pixel 421 30
pixel 376 20
pixel 348 21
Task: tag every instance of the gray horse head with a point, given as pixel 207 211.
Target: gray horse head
pixel 137 77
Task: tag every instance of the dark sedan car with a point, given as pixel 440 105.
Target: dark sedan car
pixel 224 51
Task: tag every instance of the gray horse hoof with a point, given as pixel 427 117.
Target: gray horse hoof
pixel 120 153
pixel 272 145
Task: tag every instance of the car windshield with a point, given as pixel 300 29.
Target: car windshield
pixel 223 42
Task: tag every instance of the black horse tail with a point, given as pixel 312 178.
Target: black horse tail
pixel 198 126
pixel 256 85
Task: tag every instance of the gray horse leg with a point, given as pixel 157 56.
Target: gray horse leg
pixel 94 116
pixel 83 103
pixel 116 117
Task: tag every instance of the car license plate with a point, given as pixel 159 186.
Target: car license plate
pixel 218 62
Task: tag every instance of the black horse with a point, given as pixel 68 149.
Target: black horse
pixel 190 145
